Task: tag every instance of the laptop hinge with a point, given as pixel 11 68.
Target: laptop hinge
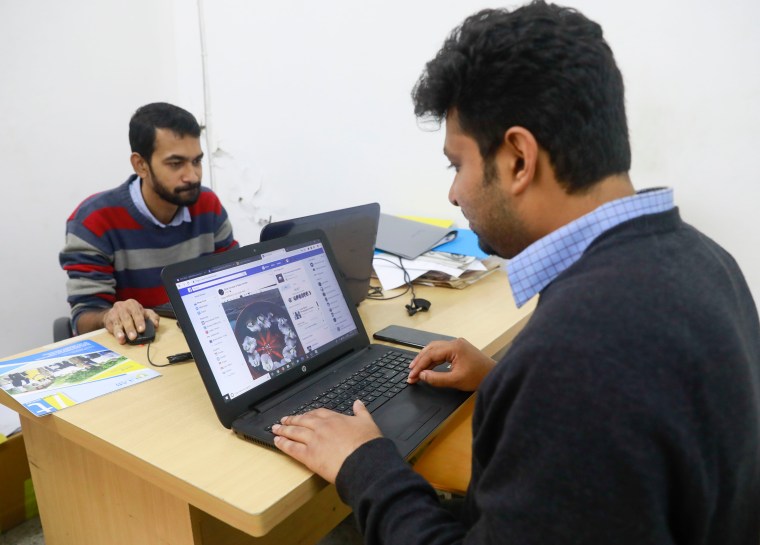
pixel 251 412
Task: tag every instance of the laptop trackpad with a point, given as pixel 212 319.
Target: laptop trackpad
pixel 398 423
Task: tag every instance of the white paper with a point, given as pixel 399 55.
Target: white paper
pixel 391 276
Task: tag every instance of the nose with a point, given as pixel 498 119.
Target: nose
pixel 192 173
pixel 452 196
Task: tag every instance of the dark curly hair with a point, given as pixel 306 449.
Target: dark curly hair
pixel 543 67
pixel 159 115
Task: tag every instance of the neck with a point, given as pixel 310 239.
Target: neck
pixel 609 189
pixel 560 208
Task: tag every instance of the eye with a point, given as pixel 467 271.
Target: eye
pixel 453 166
pixel 197 162
pixel 174 164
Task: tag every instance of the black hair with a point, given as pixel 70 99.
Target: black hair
pixel 159 115
pixel 542 67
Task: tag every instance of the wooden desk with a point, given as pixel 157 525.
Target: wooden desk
pixel 151 463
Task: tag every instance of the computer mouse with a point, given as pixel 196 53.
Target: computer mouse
pixel 146 336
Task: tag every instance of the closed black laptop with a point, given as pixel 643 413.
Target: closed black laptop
pixel 351 233
pixel 273 332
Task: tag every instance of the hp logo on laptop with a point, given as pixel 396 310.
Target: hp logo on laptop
pixel 303 368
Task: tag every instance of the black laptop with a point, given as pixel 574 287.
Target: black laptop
pixel 351 233
pixel 273 332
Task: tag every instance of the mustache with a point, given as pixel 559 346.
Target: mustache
pixel 191 187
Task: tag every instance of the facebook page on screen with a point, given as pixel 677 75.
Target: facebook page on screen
pixel 263 317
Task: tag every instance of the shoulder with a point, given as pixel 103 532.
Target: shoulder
pixel 628 313
pixel 102 199
pixel 111 209
pixel 208 203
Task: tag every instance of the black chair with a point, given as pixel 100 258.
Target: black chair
pixel 62 329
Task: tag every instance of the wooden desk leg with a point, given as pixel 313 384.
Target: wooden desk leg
pixel 85 499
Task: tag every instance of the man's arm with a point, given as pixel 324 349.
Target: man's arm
pixel 90 320
pixel 322 439
pixel 91 285
pixel 124 320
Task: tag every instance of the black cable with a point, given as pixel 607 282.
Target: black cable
pixel 175 358
pixel 374 290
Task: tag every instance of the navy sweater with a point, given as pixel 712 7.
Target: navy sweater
pixel 626 411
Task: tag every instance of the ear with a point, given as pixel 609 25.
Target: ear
pixel 139 165
pixel 523 151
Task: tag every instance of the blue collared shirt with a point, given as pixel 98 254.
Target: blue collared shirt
pixel 182 215
pixel 540 263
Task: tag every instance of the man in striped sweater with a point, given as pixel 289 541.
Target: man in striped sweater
pixel 118 241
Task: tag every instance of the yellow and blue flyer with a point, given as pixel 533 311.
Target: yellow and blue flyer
pixel 53 380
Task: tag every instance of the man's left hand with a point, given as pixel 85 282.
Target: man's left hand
pixel 322 439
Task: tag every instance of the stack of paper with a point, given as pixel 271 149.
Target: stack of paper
pixel 454 264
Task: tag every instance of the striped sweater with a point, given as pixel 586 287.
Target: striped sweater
pixel 114 253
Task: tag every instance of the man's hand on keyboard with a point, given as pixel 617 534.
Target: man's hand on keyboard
pixel 469 366
pixel 323 439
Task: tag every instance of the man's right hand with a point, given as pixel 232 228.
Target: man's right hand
pixel 127 318
pixel 124 320
pixel 469 366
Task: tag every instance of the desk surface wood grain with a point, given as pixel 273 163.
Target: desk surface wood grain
pixel 165 430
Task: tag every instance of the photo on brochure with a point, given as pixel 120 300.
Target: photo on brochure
pixel 54 379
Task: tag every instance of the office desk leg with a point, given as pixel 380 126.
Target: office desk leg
pixel 86 499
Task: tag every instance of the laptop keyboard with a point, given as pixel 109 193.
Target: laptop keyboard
pixel 374 384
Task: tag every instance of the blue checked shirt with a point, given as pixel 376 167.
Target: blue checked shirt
pixel 537 265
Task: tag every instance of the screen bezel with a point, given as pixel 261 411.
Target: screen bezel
pixel 228 411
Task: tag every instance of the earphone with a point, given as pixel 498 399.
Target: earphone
pixel 417 305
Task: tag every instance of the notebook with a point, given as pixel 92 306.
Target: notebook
pixel 351 233
pixel 409 238
pixel 273 332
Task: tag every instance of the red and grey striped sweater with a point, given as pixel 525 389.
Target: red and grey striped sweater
pixel 114 253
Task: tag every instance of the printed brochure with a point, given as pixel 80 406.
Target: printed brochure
pixel 55 379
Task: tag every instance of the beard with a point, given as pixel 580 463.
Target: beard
pixel 485 246
pixel 490 175
pixel 502 232
pixel 182 196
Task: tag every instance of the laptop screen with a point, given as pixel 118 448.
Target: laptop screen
pixel 266 315
pixel 351 233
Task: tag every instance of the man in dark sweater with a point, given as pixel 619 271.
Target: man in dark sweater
pixel 628 409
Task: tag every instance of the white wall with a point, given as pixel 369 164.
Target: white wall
pixel 72 75
pixel 310 110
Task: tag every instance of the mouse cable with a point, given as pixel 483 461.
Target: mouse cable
pixel 175 358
